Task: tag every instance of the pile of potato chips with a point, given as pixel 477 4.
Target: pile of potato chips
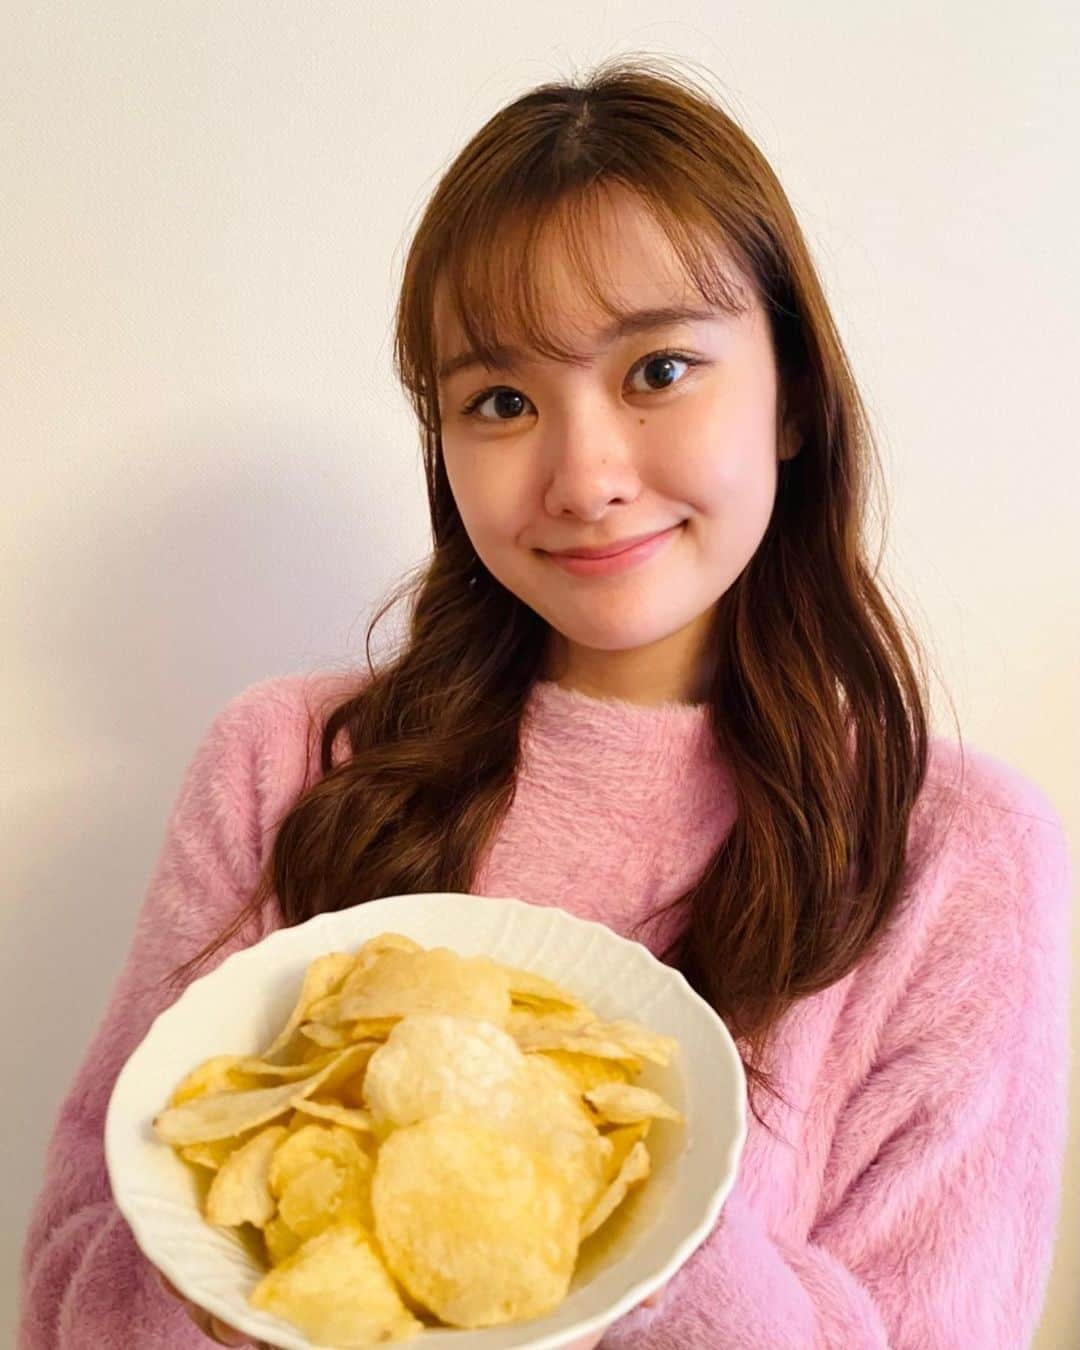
pixel 426 1142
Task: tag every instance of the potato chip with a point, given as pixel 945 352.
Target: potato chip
pixel 307 1052
pixel 624 1103
pixel 326 1191
pixel 529 988
pixel 586 1071
pixel 323 976
pixel 329 1012
pixel 355 1118
pixel 639 1040
pixel 322 1033
pixel 306 1145
pixel 351 1092
pixel 433 1062
pixel 260 1069
pixel 636 1167
pixel 531 1017
pixel 586 1039
pixel 384 942
pixel 622 1139
pixel 280 1240
pixel 224 1113
pixel 213 1152
pixel 346 1065
pixel 370 1028
pixel 336 1289
pixel 546 1114
pixel 478 1229
pixel 240 1191
pixel 435 980
pixel 222 1073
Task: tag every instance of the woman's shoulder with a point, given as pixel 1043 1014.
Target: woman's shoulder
pixel 1000 853
pixel 985 786
pixel 270 732
pixel 279 713
pixel 988 805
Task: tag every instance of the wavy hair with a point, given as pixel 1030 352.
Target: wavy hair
pixel 818 696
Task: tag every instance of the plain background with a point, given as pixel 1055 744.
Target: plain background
pixel 211 477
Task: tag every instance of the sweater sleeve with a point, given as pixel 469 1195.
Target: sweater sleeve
pixel 950 1154
pixel 84 1282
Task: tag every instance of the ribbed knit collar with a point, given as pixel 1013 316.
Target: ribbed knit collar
pixel 665 752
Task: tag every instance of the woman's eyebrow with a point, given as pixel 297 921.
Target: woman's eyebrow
pixel 637 321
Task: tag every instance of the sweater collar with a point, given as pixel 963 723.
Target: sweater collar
pixel 636 749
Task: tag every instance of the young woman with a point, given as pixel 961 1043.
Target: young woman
pixel 715 739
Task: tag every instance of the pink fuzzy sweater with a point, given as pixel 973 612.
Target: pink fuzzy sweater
pixel 913 1199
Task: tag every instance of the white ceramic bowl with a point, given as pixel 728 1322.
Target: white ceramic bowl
pixel 239 1006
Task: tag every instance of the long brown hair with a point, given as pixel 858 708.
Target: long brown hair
pixel 819 694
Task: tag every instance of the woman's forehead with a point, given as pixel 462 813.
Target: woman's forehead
pixel 629 296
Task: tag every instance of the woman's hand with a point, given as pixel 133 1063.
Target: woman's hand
pixel 207 1323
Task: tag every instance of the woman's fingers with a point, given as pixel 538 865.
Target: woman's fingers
pixel 219 1332
pixel 168 1285
pixel 207 1323
pixel 224 1334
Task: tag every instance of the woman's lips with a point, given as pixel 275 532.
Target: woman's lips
pixel 616 562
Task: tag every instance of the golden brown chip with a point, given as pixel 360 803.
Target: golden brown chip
pixel 260 1069
pixel 313 1140
pixel 384 942
pixel 586 1071
pixel 221 1073
pixel 528 987
pixel 477 1228
pixel 322 1033
pixel 433 1062
pixel 532 1017
pixel 326 1191
pixel 240 1191
pixel 223 1113
pixel 335 1288
pixel 624 1103
pixel 280 1240
pixel 639 1040
pixel 226 1113
pixel 329 1012
pixel 636 1167
pixel 585 1039
pixel 214 1152
pixel 354 1118
pixel 322 977
pixel 547 1115
pixel 622 1139
pixel 436 980
pixel 351 1092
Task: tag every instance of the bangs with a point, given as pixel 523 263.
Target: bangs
pixel 492 268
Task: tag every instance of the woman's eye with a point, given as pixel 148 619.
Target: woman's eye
pixel 510 400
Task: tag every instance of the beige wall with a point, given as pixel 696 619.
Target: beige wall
pixel 209 474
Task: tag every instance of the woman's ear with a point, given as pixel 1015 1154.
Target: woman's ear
pixel 790 441
pixel 791 419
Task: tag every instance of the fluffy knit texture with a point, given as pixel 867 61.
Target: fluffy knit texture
pixel 913 1197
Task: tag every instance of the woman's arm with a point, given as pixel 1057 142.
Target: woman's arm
pixel 950 1155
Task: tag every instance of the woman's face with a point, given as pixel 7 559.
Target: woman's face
pixel 556 456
